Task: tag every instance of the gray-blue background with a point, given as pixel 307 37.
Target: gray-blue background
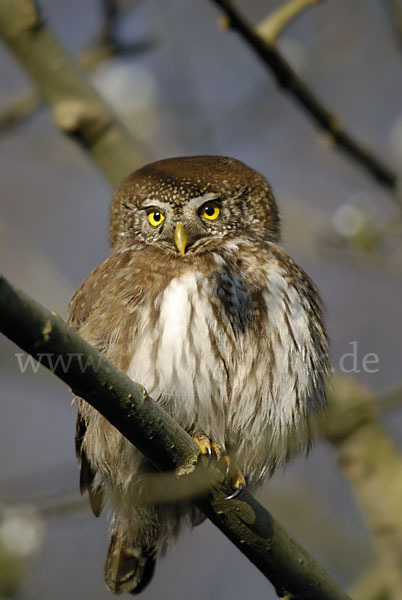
pixel 201 90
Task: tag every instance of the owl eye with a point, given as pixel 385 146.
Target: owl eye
pixel 155 218
pixel 210 212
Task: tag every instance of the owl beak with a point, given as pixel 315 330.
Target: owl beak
pixel 181 237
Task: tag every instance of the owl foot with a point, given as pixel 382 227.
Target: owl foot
pixel 212 450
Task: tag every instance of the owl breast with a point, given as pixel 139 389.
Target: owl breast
pixel 231 357
pixel 180 358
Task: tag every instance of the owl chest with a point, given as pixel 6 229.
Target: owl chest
pixel 181 351
pixel 225 360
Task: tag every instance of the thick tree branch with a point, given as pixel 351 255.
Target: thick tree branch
pixel 128 407
pixel 290 81
pixel 76 107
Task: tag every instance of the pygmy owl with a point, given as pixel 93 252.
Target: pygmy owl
pixel 200 305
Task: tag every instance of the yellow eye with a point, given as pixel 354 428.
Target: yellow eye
pixel 210 211
pixel 155 218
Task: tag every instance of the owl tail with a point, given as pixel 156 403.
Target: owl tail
pixel 128 568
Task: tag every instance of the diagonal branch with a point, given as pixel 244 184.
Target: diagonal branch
pixel 77 109
pixel 106 44
pixel 288 79
pixel 45 336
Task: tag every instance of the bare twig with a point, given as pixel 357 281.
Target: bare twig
pixel 276 22
pixel 128 407
pixel 108 37
pixel 58 505
pixel 395 8
pixel 110 11
pixel 290 81
pixel 21 108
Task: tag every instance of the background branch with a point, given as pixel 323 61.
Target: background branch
pixel 108 36
pixel 291 82
pixel 395 9
pixel 274 25
pixel 373 465
pixel 77 109
pixel 106 44
pixel 20 109
pixel 128 407
pixel 390 399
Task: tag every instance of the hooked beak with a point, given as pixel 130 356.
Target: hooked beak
pixel 181 237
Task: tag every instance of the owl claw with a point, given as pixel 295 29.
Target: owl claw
pixel 238 484
pixel 212 450
pixel 226 460
pixel 204 445
pixel 235 493
pixel 209 448
pixel 216 451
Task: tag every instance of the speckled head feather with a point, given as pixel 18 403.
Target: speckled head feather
pixel 175 181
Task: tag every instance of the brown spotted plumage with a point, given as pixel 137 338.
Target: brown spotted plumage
pixel 200 305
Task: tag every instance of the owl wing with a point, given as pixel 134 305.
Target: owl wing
pixel 82 316
pixel 84 299
pixel 87 474
pixel 286 359
pixel 77 313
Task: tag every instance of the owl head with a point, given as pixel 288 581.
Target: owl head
pixel 189 204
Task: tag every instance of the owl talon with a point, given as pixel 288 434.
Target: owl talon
pixel 235 493
pixel 207 447
pixel 226 460
pixel 238 484
pixel 212 450
pixel 216 451
pixel 204 445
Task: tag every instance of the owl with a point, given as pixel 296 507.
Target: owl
pixel 200 305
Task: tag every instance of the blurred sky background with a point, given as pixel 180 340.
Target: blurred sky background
pixel 199 90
